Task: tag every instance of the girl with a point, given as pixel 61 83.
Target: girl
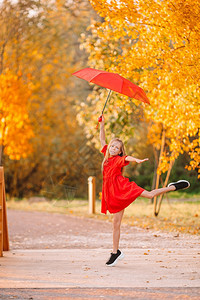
pixel 118 192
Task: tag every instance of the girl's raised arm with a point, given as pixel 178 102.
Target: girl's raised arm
pixel 102 132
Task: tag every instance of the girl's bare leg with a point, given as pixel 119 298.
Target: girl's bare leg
pixel 157 192
pixel 117 218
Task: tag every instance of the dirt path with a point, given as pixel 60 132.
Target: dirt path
pixel 56 256
pixel 39 230
pixel 99 294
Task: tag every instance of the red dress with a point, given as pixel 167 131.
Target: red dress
pixel 117 191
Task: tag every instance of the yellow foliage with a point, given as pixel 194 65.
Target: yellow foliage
pixel 155 44
pixel 15 129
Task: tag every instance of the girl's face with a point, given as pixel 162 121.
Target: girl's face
pixel 115 149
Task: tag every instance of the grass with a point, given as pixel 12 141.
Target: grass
pixel 176 215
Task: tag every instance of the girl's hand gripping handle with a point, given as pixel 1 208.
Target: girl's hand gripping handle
pixel 100 119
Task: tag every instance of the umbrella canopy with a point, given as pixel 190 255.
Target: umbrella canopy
pixel 114 82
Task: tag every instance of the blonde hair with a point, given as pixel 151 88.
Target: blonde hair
pixel 123 153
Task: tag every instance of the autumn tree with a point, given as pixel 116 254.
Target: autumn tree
pixel 40 40
pixel 16 130
pixel 155 44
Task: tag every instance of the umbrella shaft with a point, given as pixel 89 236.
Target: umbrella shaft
pixel 106 101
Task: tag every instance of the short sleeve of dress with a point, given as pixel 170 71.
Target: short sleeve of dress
pixel 122 162
pixel 104 149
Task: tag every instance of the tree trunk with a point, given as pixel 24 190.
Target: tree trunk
pixel 153 186
pixel 158 176
pixel 165 184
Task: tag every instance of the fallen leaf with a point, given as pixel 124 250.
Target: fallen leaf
pixel 177 235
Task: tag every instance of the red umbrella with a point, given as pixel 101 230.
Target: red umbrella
pixel 114 82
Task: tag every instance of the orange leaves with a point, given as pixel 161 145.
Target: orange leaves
pixel 156 45
pixel 15 129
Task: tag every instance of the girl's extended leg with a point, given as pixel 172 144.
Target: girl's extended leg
pixel 157 192
pixel 117 218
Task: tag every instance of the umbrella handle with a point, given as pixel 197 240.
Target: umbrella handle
pixel 100 118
